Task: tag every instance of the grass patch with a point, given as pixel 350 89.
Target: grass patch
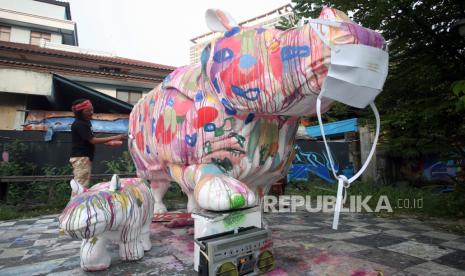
pixel 401 198
pixel 454 227
pixel 174 198
pixel 34 199
pixel 27 200
pixel 8 212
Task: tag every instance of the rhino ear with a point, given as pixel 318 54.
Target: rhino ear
pixel 219 21
pixel 115 183
pixel 333 14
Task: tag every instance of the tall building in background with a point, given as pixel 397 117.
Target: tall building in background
pixel 269 19
pixel 37 22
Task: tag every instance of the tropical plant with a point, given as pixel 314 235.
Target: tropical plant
pixel 420 116
pixel 121 165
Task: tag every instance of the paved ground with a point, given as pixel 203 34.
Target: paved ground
pixel 304 244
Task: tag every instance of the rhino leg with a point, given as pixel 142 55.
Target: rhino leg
pixel 159 188
pixel 192 205
pixel 184 176
pixel 131 250
pixel 94 254
pixel 215 190
pixel 145 236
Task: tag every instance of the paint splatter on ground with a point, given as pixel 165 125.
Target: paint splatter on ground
pixel 304 244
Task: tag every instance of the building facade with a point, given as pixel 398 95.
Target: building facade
pixel 36 22
pixel 40 60
pixel 43 70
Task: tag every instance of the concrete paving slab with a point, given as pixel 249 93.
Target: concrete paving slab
pixel 455 259
pixel 304 244
pixel 419 250
pixel 440 235
pixel 399 233
pixel 454 244
pixel 432 268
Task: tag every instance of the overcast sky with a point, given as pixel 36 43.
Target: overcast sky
pixel 154 30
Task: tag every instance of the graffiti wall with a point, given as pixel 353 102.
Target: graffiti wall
pixel 60 121
pixel 435 169
pixel 311 159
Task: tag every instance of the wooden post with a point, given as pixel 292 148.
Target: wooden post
pixel 3 190
pixel 354 149
pixel 366 141
pixel 51 191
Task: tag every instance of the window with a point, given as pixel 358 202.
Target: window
pixel 5 33
pixel 129 96
pixel 36 37
pixel 110 69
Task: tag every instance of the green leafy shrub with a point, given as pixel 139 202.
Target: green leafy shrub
pixel 36 197
pixel 17 164
pixel 458 88
pixel 120 166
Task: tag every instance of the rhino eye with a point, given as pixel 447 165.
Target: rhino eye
pixel 223 55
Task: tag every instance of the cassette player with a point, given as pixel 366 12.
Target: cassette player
pixel 244 251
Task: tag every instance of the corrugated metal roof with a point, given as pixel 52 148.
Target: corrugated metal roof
pixel 334 128
pixel 80 56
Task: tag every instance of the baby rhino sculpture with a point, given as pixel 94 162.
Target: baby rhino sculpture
pixel 224 129
pixel 118 211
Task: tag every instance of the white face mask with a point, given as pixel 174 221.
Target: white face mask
pixel 356 73
pixel 355 77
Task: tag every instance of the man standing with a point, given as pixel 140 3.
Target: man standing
pixel 84 141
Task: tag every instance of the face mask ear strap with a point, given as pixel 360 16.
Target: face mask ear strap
pixel 343 182
pixel 314 25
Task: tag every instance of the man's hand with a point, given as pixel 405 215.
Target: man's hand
pixel 122 137
pixel 114 143
pixel 106 140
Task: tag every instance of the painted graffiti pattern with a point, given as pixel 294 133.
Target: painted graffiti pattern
pixel 103 213
pixel 61 121
pixel 224 129
pixel 317 163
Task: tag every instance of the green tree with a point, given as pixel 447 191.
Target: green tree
pixel 458 88
pixel 419 114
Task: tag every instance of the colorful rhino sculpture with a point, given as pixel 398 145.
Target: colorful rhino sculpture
pixel 224 129
pixel 118 211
